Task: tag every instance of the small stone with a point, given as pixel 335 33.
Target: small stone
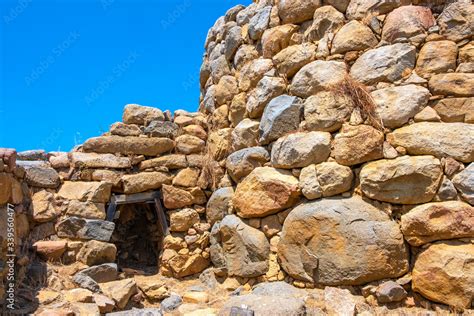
pixel 182 220
pixel 389 292
pixel 120 291
pixel 141 115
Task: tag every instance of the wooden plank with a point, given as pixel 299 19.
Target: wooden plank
pixel 136 198
pixel 161 217
pixel 111 211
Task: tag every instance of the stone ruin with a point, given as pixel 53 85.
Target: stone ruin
pixel 329 170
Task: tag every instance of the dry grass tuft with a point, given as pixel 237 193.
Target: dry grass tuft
pixel 361 100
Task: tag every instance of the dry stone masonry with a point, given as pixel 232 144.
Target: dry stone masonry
pixel 329 170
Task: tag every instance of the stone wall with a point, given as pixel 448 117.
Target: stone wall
pixel 333 147
pixel 346 131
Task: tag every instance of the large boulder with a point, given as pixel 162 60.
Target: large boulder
pixel 326 20
pixel 317 76
pixel 438 221
pixel 397 105
pixel 297 11
pixel 219 204
pixel 281 116
pixel 120 291
pixel 301 149
pixel 292 58
pixel 403 180
pixel 341 241
pixel 42 177
pixel 326 111
pixel 267 89
pixel 407 22
pixel 353 36
pixel 98 192
pixel 245 134
pixel 259 22
pixel 276 39
pixel 455 84
pixel 245 248
pixel 455 110
pixel 436 57
pixel 153 146
pixel 93 160
pixel 359 9
pixel 252 72
pixel 265 191
pixel 456 21
pixel 173 161
pixel 81 228
pixel 444 273
pixel 141 115
pixel 387 63
pixel 357 144
pixel 144 181
pixel 96 252
pixel 240 163
pixel 454 140
pixel 464 183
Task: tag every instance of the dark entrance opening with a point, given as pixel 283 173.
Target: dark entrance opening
pixel 140 226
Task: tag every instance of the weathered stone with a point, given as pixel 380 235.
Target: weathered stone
pixel 456 21
pixel 437 221
pixel 309 184
pixel 358 9
pixel 403 180
pixel 120 291
pixel 341 241
pixel 162 129
pixel 353 36
pixel 326 20
pixel 259 22
pixel 464 183
pixel 129 145
pixel 455 109
pixel 182 220
pixel 101 273
pixel 75 227
pixel 42 204
pixel 282 115
pixel 240 163
pixel 436 57
pixel 186 178
pixel 42 177
pixel 265 304
pixel 357 144
pixel 291 59
pixel 427 115
pixel 121 129
pixel 446 191
pixel 297 11
pixel 59 160
pixel 326 111
pixel 232 41
pixel 252 72
pixel 105 304
pixel 50 250
pixel 267 89
pixel 246 249
pixel 244 54
pixel 454 140
pixel 171 303
pixel 265 191
pixel 333 178
pixel 317 76
pixel 144 181
pixel 407 22
pixel 301 149
pixel 188 144
pixel 92 160
pixel 339 301
pixel 443 273
pixel 141 115
pixel 245 134
pixel 176 198
pixel 5 187
pixel 466 53
pixel 98 192
pixel 389 292
pixel 173 161
pixel 78 295
pixel 276 39
pixel 111 177
pixel 219 204
pixel 455 84
pixel 219 143
pixel 182 265
pixel 387 63
pixel 97 252
pixel 225 90
pixel 397 105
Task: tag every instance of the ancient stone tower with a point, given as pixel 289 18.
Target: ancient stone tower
pixel 328 170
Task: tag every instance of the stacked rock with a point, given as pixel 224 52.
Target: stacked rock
pixel 346 129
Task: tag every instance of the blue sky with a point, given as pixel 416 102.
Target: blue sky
pixel 69 66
